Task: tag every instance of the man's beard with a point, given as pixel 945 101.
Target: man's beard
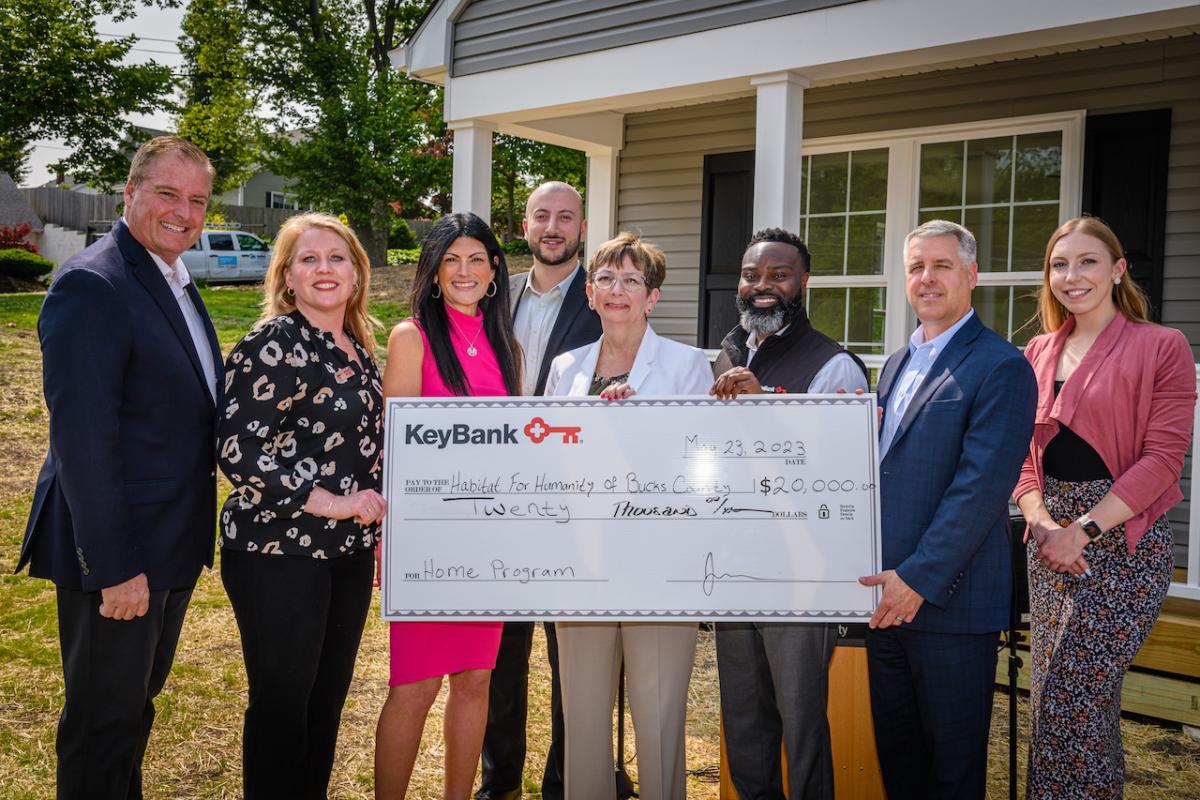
pixel 570 253
pixel 769 320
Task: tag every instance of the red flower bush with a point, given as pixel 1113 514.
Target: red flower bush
pixel 16 238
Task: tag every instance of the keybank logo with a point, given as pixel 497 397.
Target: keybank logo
pixel 459 434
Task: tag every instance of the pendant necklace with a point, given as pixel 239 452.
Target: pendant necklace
pixel 471 351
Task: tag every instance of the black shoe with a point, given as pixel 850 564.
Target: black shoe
pixel 488 794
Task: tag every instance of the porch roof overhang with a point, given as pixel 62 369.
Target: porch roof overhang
pixel 574 100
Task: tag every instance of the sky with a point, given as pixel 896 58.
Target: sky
pixel 158 32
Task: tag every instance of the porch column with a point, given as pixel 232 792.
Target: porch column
pixel 472 186
pixel 601 209
pixel 778 133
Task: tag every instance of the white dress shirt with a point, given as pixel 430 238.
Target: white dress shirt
pixel 177 278
pixel 839 372
pixel 922 354
pixel 535 318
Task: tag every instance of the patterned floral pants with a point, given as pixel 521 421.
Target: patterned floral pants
pixel 1085 633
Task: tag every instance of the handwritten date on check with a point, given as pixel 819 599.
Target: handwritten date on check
pixel 651 508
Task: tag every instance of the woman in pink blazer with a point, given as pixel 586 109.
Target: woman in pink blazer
pixel 1116 396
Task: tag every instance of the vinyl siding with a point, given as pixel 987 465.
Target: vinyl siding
pixel 493 34
pixel 661 167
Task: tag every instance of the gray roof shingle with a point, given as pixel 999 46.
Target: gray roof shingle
pixel 13 208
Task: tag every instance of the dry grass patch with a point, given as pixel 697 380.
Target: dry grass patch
pixel 195 751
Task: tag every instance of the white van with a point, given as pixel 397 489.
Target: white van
pixel 227 256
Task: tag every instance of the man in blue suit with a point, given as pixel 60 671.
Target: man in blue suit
pixel 124 512
pixel 957 406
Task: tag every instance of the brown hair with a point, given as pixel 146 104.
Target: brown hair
pixel 1128 296
pixel 159 146
pixel 647 257
pixel 276 298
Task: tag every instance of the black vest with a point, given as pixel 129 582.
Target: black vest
pixel 788 361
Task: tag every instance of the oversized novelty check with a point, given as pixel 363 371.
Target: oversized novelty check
pixel 683 508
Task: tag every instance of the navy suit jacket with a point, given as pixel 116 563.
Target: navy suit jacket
pixel 575 325
pixel 129 482
pixel 946 480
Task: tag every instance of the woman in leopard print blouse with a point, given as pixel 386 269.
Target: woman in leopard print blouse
pixel 301 442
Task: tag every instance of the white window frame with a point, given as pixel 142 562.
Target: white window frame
pixel 290 203
pixel 903 202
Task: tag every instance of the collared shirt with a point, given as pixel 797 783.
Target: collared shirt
pixel 839 372
pixel 178 278
pixel 921 356
pixel 536 314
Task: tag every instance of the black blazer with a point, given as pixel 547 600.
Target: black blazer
pixel 129 482
pixel 575 326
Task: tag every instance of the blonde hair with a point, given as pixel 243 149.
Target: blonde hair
pixel 159 146
pixel 1128 296
pixel 647 257
pixel 278 300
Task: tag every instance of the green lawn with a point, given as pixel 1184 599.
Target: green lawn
pixel 233 311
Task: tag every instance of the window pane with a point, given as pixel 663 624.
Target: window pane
pixel 864 251
pixel 867 312
pixel 941 174
pixel 220 241
pixel 990 226
pixel 1025 321
pixel 991 304
pixel 828 193
pixel 827 311
pixel 1032 226
pixel 868 180
pixel 952 214
pixel 989 170
pixel 1039 166
pixel 804 185
pixel 827 243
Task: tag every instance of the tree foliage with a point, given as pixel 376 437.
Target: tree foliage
pixel 352 133
pixel 62 80
pixel 220 101
pixel 518 166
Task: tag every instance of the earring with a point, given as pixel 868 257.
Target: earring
pixel 438 289
pixel 1117 279
pixel 289 292
pixel 491 289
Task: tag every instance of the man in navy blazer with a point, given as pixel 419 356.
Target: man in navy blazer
pixel 957 405
pixel 124 512
pixel 550 316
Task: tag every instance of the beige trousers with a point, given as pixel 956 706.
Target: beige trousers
pixel 658 667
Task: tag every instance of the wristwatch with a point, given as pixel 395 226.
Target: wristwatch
pixel 1090 527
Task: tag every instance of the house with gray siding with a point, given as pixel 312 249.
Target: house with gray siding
pixel 849 121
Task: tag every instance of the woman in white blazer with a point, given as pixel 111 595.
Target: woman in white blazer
pixel 624 277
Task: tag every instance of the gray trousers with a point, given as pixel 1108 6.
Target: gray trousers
pixel 775 687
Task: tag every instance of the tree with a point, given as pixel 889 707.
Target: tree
pixel 351 132
pixel 220 102
pixel 62 80
pixel 518 165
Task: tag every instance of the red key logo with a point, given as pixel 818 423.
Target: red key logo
pixel 537 430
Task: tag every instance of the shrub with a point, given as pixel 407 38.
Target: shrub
pixel 401 236
pixel 19 263
pixel 17 238
pixel 516 247
pixel 408 256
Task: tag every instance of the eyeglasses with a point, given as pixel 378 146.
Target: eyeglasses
pixel 607 280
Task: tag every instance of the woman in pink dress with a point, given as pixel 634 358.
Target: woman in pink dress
pixel 459 342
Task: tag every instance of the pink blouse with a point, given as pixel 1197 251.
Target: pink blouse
pixel 1132 398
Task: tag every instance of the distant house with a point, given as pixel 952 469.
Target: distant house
pixel 14 210
pixel 264 189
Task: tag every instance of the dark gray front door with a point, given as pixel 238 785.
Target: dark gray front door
pixel 727 222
